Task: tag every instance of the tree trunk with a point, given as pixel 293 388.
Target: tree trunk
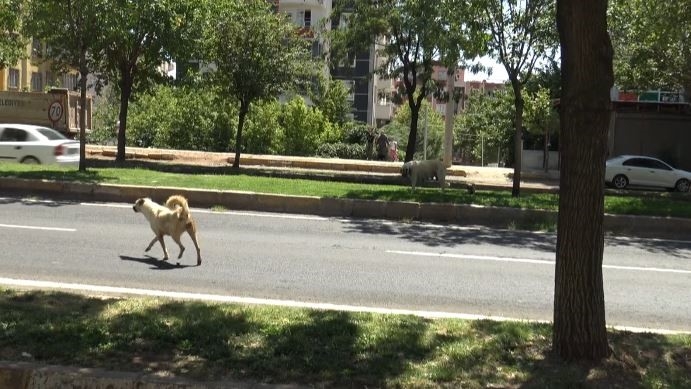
pixel 448 119
pixel 244 108
pixel 545 155
pixel 412 136
pixel 83 73
pixel 586 58
pixel 125 93
pixel 517 138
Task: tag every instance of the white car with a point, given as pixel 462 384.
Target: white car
pixel 36 144
pixel 637 170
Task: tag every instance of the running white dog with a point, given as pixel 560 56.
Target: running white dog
pixel 171 219
pixel 420 171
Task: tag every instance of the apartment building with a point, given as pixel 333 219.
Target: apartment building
pixel 34 73
pixel 462 89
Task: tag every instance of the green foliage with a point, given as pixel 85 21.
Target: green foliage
pixel 651 43
pixel 523 32
pixel 181 118
pixel 331 97
pixel 355 133
pixel 305 128
pixel 257 53
pixel 398 128
pixel 341 150
pixel 263 133
pixel 408 44
pixel 12 44
pixel 104 129
pixel 258 56
pixel 540 114
pixel 485 130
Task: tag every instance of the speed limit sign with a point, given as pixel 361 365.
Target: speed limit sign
pixel 55 111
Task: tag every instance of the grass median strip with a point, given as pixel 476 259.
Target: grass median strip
pixel 273 344
pixel 655 204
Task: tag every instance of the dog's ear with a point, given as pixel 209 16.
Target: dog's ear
pixel 139 202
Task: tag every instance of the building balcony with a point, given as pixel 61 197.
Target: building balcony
pixel 310 4
pixel 383 111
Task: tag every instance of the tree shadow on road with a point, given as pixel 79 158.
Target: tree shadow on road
pixel 36 201
pixel 449 236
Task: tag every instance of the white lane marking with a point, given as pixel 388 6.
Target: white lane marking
pixel 532 261
pixel 285 303
pixel 38 228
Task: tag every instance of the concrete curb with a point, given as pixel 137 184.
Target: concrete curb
pixel 463 214
pixel 27 375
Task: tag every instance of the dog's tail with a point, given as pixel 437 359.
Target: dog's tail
pixel 177 201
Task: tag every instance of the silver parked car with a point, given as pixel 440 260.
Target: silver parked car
pixel 638 170
pixel 36 144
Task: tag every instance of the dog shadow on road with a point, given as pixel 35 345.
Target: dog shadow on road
pixel 155 263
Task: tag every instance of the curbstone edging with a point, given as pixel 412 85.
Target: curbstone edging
pixel 29 375
pixel 464 214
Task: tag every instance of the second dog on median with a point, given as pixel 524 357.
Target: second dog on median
pixel 171 219
pixel 419 171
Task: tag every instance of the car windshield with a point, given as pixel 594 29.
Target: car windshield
pixel 50 133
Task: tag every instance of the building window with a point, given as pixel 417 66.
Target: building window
pixel 316 49
pixel 350 87
pixel 307 18
pixel 36 48
pixel 69 81
pixel 13 79
pixel 302 18
pixel 348 61
pixel 36 82
pixel 343 20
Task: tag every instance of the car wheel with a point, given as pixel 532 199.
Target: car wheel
pixel 31 161
pixel 620 181
pixel 682 185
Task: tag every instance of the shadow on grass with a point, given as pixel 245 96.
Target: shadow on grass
pixel 158 264
pixel 88 176
pixel 322 348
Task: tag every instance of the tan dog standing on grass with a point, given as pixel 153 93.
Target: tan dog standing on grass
pixel 171 219
pixel 420 171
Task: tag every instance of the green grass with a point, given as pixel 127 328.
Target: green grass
pixel 646 203
pixel 330 348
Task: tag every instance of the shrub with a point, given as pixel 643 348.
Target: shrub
pixel 341 150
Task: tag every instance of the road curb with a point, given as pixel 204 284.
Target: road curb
pixel 463 214
pixel 29 375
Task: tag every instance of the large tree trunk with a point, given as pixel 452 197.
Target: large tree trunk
pixel 586 58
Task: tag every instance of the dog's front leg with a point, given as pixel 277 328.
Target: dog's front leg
pixel 154 240
pixel 163 245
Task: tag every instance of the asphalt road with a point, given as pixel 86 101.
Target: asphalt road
pixel 354 262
